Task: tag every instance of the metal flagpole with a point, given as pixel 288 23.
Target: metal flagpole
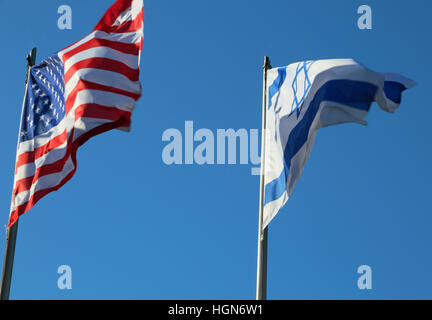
pixel 11 234
pixel 261 290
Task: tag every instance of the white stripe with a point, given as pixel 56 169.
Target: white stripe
pixel 84 125
pixel 127 37
pixel 105 98
pixel 103 52
pixel 272 208
pixel 106 78
pixel 130 13
pixel 77 44
pixel 42 183
pixel 29 169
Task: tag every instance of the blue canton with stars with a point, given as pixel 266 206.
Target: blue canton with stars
pixel 45 103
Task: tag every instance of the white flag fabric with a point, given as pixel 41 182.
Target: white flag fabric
pixel 306 96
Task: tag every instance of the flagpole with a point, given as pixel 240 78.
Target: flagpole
pixel 261 289
pixel 12 232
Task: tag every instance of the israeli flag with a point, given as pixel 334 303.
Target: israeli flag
pixel 307 96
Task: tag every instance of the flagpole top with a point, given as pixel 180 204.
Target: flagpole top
pixel 31 57
pixel 267 64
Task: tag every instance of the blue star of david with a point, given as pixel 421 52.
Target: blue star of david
pixel 298 103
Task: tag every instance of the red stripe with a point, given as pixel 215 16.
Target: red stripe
pixel 31 156
pixel 113 13
pixel 103 64
pixel 75 145
pixel 131 25
pixel 127 26
pixel 26 183
pixel 92 110
pixel 129 48
pixel 87 85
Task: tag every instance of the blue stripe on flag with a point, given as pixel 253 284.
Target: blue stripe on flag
pixel 276 188
pixel 276 85
pixel 393 91
pixel 355 94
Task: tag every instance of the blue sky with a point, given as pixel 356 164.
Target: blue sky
pixel 132 227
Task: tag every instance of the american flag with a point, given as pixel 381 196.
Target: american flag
pixel 85 89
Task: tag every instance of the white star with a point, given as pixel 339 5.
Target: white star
pixel 38 110
pixel 37 91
